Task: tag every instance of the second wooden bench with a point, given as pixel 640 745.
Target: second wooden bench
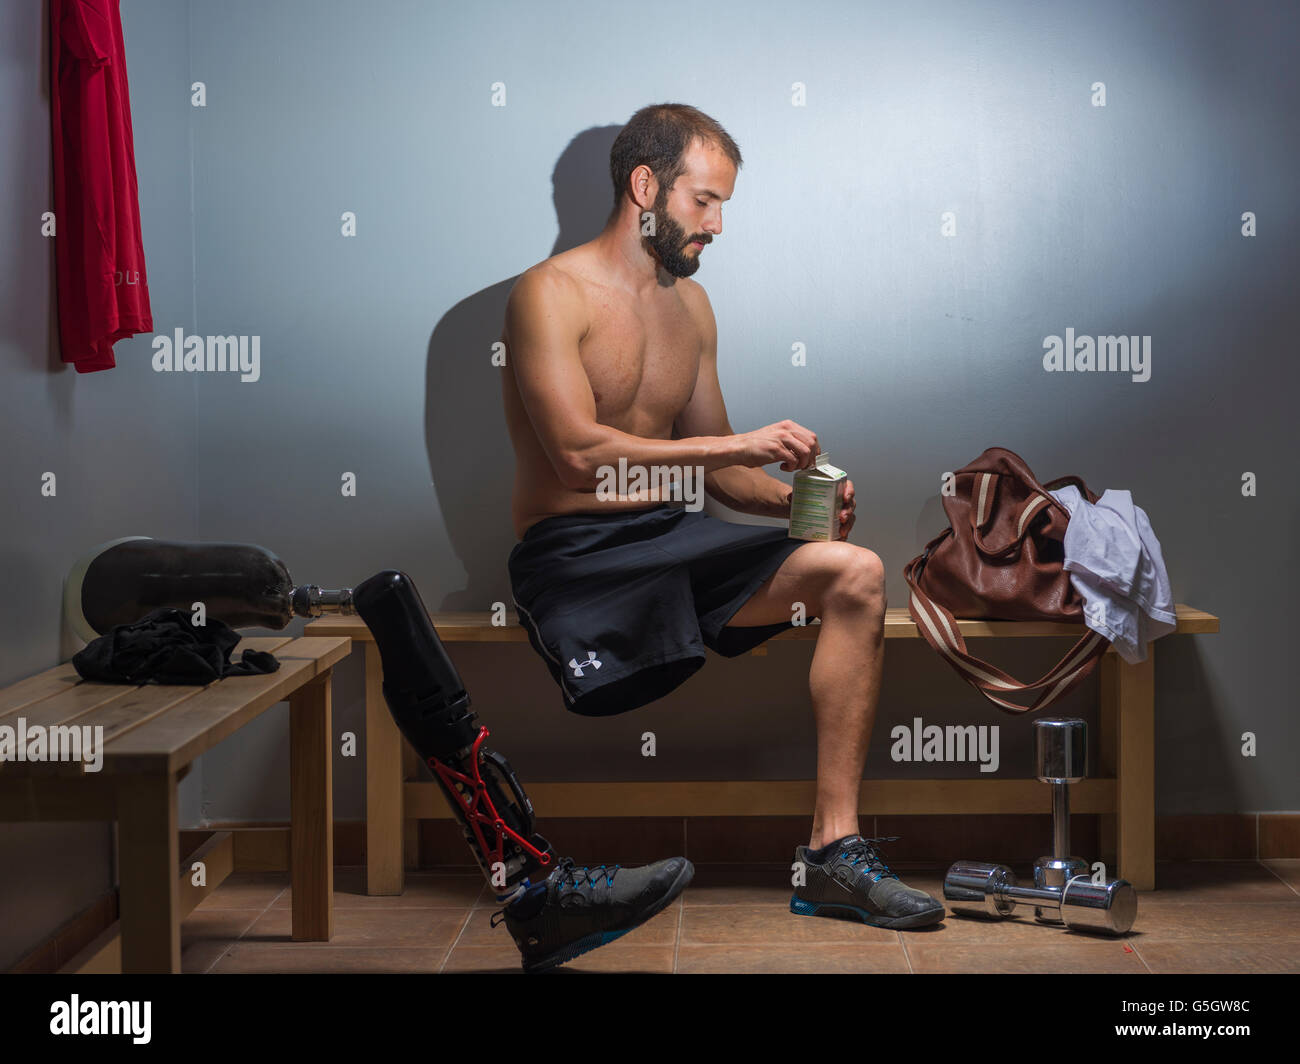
pixel 1123 788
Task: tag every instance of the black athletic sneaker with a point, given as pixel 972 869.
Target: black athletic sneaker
pixel 849 875
pixel 577 909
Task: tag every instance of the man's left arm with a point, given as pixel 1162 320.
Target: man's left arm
pixel 742 488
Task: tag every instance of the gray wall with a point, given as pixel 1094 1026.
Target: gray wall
pixel 121 442
pixel 923 349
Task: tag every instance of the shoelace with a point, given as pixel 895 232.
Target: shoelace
pixel 866 850
pixel 569 871
pixel 569 874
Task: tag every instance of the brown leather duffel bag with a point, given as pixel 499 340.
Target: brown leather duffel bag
pixel 1002 558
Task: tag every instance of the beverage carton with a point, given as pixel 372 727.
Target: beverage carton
pixel 817 501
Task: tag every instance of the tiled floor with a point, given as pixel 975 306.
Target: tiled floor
pixel 1205 916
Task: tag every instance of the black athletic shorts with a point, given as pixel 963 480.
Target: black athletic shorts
pixel 621 605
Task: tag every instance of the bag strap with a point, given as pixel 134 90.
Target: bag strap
pixel 941 631
pixel 1060 482
pixel 983 496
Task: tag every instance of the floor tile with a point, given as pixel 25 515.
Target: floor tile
pixel 246 890
pixel 616 957
pixel 323 957
pixel 1043 957
pixel 1285 868
pixel 206 935
pixel 1019 929
pixel 714 925
pixel 1259 921
pixel 378 928
pixel 423 890
pixel 500 958
pixel 869 957
pixel 1230 957
pixel 217 924
pixel 198 958
pixel 1206 916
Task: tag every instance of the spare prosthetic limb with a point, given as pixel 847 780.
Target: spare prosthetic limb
pixel 245 586
pixel 242 584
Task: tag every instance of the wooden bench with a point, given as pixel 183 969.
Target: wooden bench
pixel 1123 788
pixel 151 735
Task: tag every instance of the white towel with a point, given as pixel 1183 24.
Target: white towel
pixel 1116 566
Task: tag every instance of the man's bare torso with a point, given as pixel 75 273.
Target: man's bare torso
pixel 641 356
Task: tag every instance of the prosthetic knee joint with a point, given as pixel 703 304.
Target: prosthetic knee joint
pixel 431 707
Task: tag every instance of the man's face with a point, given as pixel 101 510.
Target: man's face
pixel 689 215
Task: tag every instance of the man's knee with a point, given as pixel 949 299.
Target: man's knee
pixel 858 582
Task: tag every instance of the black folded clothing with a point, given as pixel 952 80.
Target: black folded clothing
pixel 163 647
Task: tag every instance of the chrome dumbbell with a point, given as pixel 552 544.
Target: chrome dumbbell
pixel 1060 758
pixel 972 888
pixel 1063 891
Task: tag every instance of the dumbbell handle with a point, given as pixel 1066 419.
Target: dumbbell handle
pixel 1044 896
pixel 1060 820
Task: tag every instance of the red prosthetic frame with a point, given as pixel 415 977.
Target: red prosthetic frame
pixel 474 802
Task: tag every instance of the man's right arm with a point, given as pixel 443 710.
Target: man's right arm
pixel 545 321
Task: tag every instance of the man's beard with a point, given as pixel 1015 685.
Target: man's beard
pixel 670 241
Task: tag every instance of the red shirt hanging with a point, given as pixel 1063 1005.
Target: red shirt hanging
pixel 103 287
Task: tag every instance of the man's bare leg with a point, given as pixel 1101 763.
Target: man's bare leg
pixel 844 585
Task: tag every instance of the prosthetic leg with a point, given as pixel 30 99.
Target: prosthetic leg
pixel 429 703
pixel 245 585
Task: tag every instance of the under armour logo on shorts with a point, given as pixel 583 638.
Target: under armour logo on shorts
pixel 591 661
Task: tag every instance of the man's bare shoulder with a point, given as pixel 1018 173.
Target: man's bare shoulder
pixel 552 286
pixel 547 276
pixel 574 269
pixel 697 302
pixel 691 290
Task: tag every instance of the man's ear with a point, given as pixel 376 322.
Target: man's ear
pixel 645 187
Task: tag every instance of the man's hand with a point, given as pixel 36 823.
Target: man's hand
pixel 846 513
pixel 794 446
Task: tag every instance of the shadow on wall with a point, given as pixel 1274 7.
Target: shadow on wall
pixel 471 462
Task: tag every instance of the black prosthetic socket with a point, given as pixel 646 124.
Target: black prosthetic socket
pixel 431 707
pixel 244 585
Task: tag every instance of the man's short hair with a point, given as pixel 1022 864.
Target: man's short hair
pixel 658 136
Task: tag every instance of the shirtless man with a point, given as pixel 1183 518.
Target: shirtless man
pixel 613 356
